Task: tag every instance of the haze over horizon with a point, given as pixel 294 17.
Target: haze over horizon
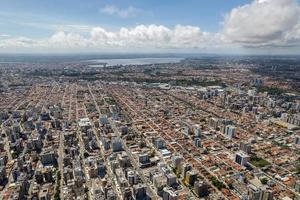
pixel 221 27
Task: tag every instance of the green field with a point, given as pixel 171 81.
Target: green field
pixel 259 162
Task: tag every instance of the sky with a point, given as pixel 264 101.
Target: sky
pixel 150 26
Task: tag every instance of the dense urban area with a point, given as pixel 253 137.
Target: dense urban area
pixel 211 127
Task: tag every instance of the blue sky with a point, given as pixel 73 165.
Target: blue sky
pixel 30 24
pixel 17 16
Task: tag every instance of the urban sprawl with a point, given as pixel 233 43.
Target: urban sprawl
pixel 203 128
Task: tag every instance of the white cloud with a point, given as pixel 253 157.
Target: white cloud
pixel 262 22
pixel 121 12
pixel 152 36
pixel 140 37
pixel 76 28
pixel 292 37
pixel 67 40
pixel 4 35
pixel 20 42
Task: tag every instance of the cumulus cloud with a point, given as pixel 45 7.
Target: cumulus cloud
pixel 121 12
pixel 67 40
pixel 139 37
pixel 17 42
pixel 152 36
pixel 4 35
pixel 262 22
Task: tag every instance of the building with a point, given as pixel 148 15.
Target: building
pixel 267 193
pixel 171 179
pixel 127 194
pixel 139 191
pixel 159 143
pixel 197 142
pixel 84 124
pixel 257 82
pixel 191 177
pixel 3 176
pixel 214 123
pixel 197 130
pixel 123 159
pixel 297 139
pixel 3 115
pixel 132 177
pixel 45 116
pixel 117 145
pixel 144 158
pixel 103 120
pixel 124 130
pixel 109 193
pixel 258 191
pixel 176 161
pixel 297 186
pixel 253 193
pixel 48 157
pixel 169 194
pixel 160 182
pixel 201 189
pixel 184 169
pixel 291 118
pixel 165 152
pixel 44 194
pixel 229 131
pixel 242 158
pixel 245 147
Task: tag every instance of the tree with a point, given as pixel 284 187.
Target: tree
pixel 264 180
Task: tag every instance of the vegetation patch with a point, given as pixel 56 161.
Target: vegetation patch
pixel 270 90
pixel 258 162
pixel 218 184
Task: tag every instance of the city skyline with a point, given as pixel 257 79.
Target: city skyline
pixel 237 27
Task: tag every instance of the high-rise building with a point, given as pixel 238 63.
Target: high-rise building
pixel 297 186
pixel 176 161
pixel 132 178
pixel 124 130
pixel 139 191
pixel 171 179
pixel 159 181
pixel 297 139
pixel 257 82
pixel 197 142
pixel 44 194
pixel 201 189
pixel 169 194
pixel 144 158
pixel 159 143
pixel 229 131
pixel 48 157
pixel 242 158
pixel 3 175
pixel 257 191
pixel 214 123
pixel 127 194
pixel 103 120
pixel 266 194
pixel 117 145
pixel 197 131
pixel 253 193
pixel 191 177
pixel 185 168
pixel 245 147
